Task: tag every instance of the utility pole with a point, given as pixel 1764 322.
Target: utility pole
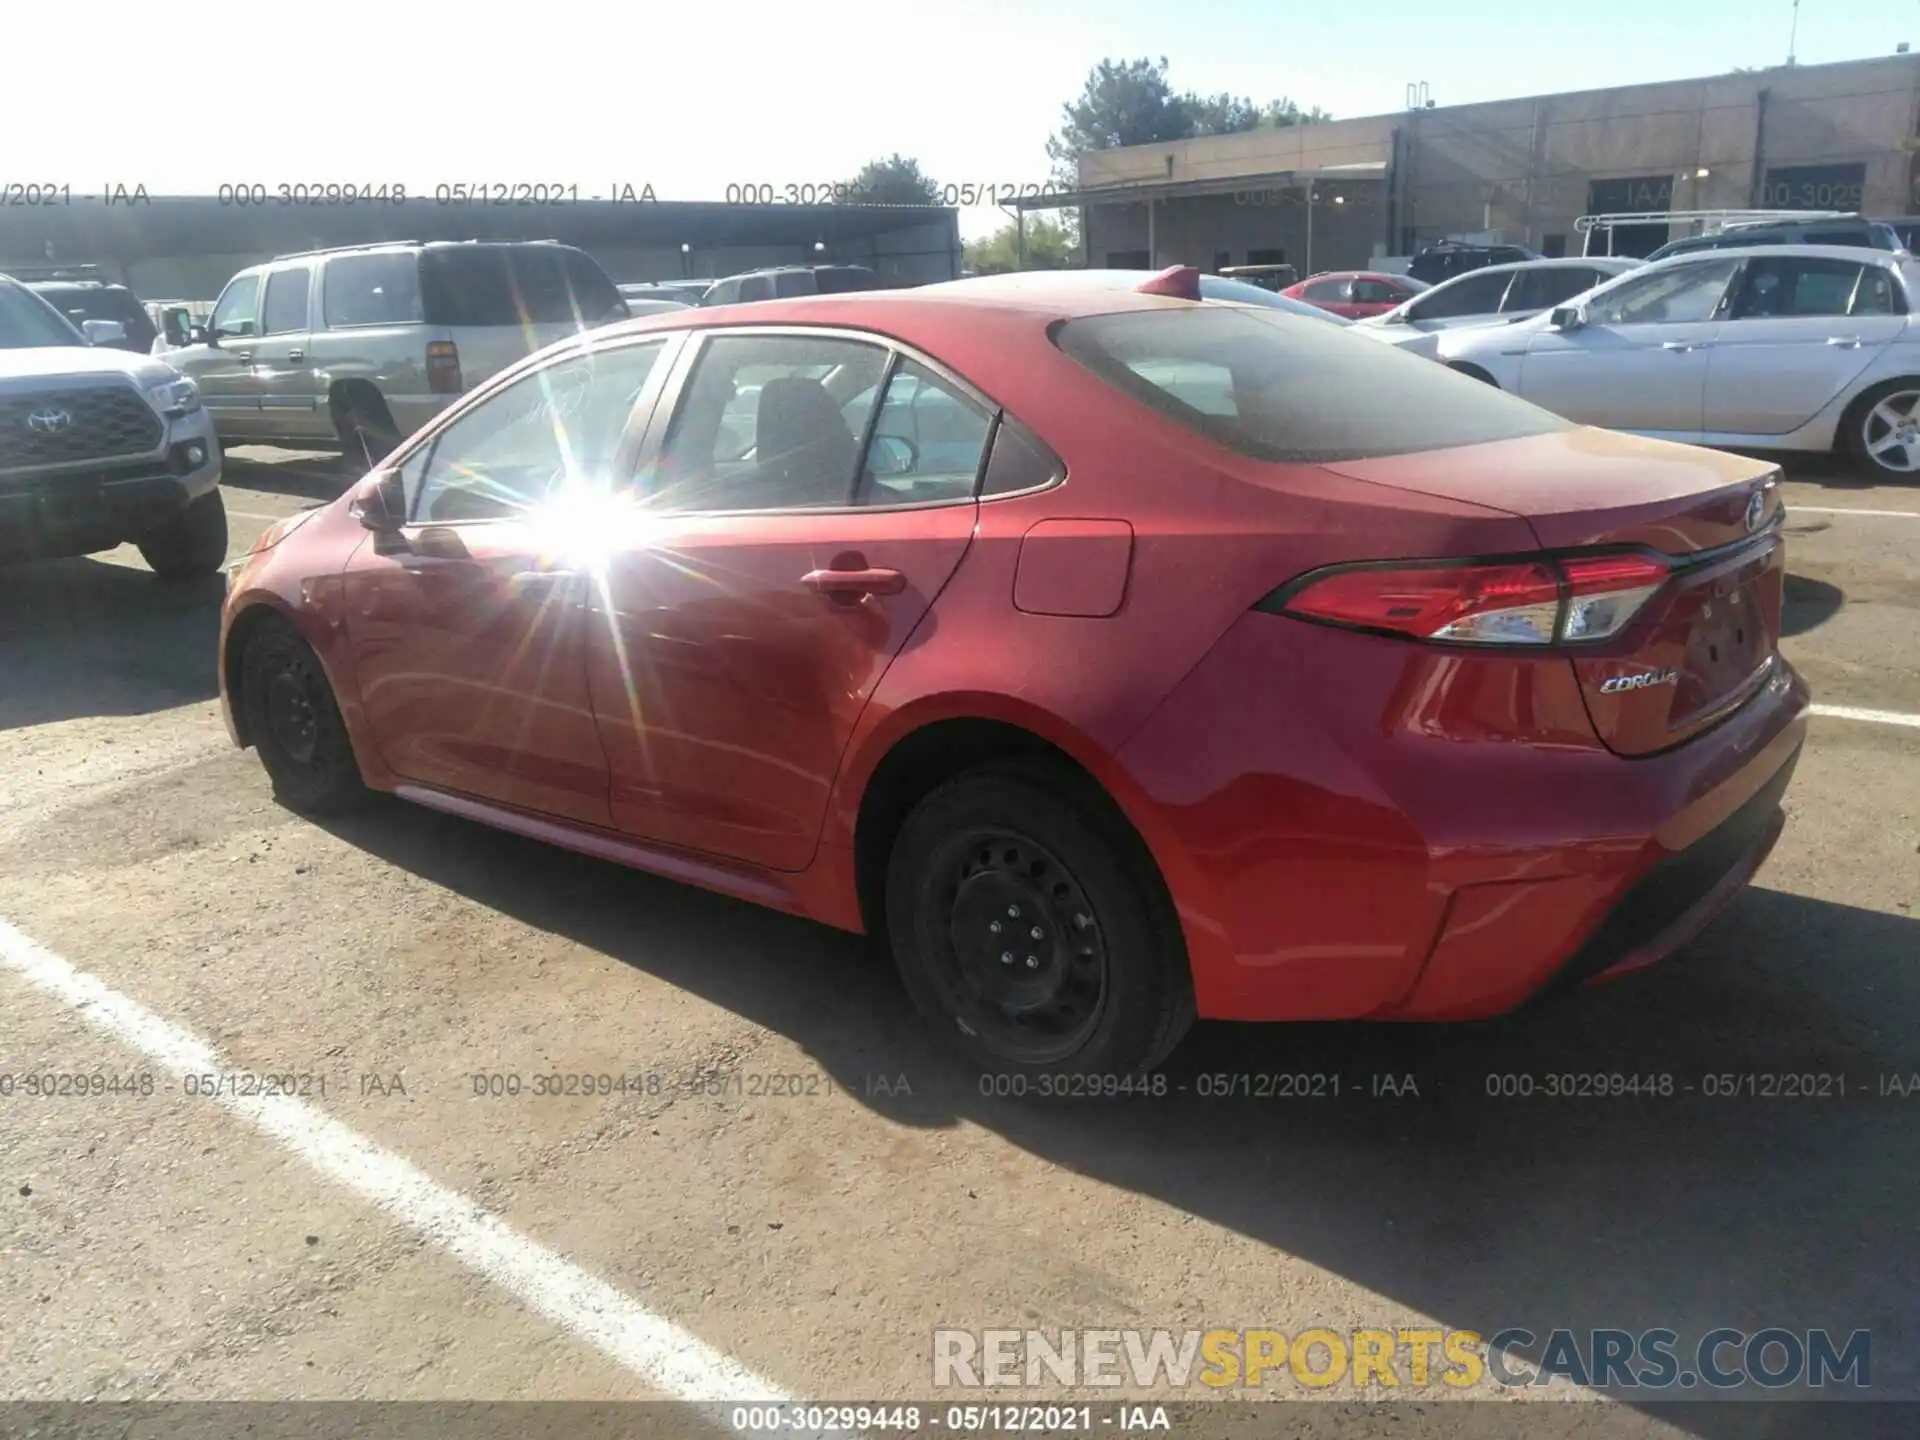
pixel 1793 34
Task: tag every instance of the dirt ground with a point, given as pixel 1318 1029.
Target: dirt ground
pixel 818 1227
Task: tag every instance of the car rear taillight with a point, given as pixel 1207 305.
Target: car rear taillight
pixel 1548 601
pixel 443 368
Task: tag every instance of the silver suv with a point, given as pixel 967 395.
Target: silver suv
pixel 357 347
pixel 99 447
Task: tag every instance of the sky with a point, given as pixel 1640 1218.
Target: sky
pixel 692 99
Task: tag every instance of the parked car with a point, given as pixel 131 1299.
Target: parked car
pixel 1212 287
pixel 1906 229
pixel 784 281
pixel 1356 294
pixel 99 447
pixel 1497 292
pixel 1267 277
pixel 1444 259
pixel 1786 347
pixel 637 307
pixel 83 300
pixel 1111 657
pixel 358 346
pixel 1848 230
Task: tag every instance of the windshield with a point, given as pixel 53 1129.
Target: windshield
pixel 1275 388
pixel 27 321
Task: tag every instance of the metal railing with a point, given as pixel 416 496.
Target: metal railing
pixel 1699 222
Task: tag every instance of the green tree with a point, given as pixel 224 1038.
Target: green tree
pixel 1221 114
pixel 896 180
pixel 1284 112
pixel 1126 102
pixel 1050 245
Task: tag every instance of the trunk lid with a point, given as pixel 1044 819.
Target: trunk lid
pixel 1708 638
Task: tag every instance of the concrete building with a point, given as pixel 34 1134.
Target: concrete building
pixel 1335 195
pixel 186 248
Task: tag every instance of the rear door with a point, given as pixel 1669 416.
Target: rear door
pixel 1798 331
pixel 283 371
pixel 789 558
pixel 1640 360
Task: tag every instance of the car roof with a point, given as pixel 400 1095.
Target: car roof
pixel 1859 254
pixel 1559 262
pixel 1353 275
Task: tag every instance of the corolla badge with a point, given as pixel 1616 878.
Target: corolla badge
pixel 1645 680
pixel 48 422
pixel 1756 510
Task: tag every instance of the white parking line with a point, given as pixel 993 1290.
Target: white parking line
pixel 619 1326
pixel 1793 509
pixel 1872 717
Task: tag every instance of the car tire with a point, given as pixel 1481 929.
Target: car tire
pixel 1102 988
pixel 192 544
pixel 294 722
pixel 365 427
pixel 1885 410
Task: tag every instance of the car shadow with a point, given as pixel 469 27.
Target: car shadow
pixel 1807 604
pixel 85 637
pixel 1410 1160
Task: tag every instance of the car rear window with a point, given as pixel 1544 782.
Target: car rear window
pixel 376 289
pixel 514 285
pixel 80 303
pixel 1280 388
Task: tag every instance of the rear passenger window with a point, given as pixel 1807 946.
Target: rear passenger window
pixel 286 307
pixel 1019 461
pixel 927 443
pixel 1785 287
pixel 794 282
pixel 370 290
pixel 756 287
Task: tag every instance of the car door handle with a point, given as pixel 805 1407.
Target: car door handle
pixel 245 357
pixel 296 355
pixel 854 582
pixel 1844 342
pixel 1681 347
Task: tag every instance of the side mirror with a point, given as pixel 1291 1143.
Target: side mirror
pixel 103 332
pixel 1567 317
pixel 1397 316
pixel 380 504
pixel 202 335
pixel 176 327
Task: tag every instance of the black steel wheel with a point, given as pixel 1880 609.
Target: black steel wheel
pixel 1033 930
pixel 293 721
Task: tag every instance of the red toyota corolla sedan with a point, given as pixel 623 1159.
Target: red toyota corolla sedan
pixel 1114 657
pixel 1356 294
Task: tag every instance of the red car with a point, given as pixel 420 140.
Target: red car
pixel 1356 294
pixel 1112 656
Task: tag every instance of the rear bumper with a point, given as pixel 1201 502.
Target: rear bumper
pixel 1355 828
pixel 81 510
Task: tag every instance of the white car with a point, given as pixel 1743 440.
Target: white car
pixel 1781 347
pixel 1493 294
pixel 1219 288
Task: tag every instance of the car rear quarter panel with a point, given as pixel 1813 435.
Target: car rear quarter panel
pixel 1213 533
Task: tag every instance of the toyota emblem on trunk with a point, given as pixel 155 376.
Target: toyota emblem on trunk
pixel 1756 510
pixel 48 422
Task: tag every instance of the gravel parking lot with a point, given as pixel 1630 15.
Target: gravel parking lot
pixel 785 1186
